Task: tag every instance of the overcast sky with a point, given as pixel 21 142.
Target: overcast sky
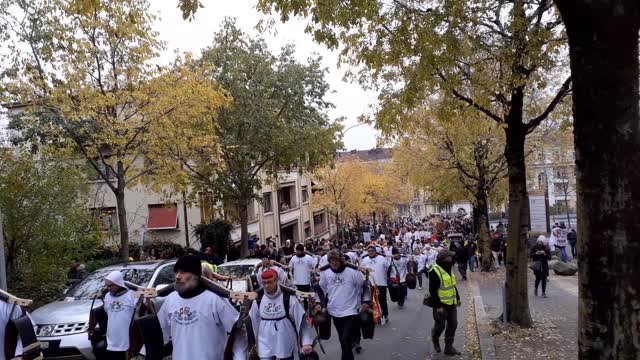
pixel 349 99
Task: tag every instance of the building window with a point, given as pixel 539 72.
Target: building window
pixel 267 204
pixel 287 198
pixel 307 229
pixel 93 174
pixel 107 219
pixel 319 224
pixel 162 217
pixel 305 194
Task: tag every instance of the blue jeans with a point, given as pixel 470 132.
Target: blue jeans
pixel 472 263
pixel 563 253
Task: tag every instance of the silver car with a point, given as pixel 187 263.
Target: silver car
pixel 243 271
pixel 62 325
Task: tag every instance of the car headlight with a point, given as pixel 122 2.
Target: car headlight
pixel 46 330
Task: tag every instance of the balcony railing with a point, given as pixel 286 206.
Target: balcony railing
pixel 284 207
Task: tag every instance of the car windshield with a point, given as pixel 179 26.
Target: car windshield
pixel 94 283
pixel 236 271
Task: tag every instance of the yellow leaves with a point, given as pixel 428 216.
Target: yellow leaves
pixel 356 188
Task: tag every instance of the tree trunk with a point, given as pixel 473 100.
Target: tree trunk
pixel 476 221
pixel 482 209
pixel 243 212
pixel 516 267
pixel 603 44
pixel 566 204
pixel 122 222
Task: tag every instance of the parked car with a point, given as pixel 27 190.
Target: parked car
pixel 244 271
pixel 63 324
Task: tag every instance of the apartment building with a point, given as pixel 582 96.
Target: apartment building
pixel 285 211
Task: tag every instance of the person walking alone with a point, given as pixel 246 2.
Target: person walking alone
pixel 446 299
pixel 540 254
pixel 573 241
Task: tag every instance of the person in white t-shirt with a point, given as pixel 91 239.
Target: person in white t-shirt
pixel 8 312
pixel 346 298
pixel 420 258
pixel 197 320
pixel 388 250
pixel 273 326
pixel 301 265
pixel 398 275
pixel 379 266
pixel 120 305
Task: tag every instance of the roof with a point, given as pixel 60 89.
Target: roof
pixel 375 154
pixel 150 264
pixel 251 262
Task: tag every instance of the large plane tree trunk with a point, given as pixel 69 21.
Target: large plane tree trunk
pixel 603 44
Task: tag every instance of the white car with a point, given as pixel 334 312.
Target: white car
pixel 242 271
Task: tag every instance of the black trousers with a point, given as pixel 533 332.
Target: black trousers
pixel 419 275
pixel 448 323
pixel 305 288
pixel 112 355
pixel 348 329
pixel 402 294
pixel 541 278
pixel 383 300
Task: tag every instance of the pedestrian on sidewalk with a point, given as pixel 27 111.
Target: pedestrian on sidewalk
pixel 573 241
pixel 495 250
pixel 462 259
pixel 561 241
pixel 471 250
pixel 446 299
pixel 540 256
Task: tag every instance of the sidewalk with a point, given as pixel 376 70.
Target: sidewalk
pixel 554 332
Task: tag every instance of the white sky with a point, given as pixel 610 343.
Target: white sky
pixel 350 99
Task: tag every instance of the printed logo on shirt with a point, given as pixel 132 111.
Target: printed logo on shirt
pixel 185 316
pixel 115 306
pixel 272 309
pixel 337 281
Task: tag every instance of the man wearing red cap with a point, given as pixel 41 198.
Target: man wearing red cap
pixel 278 329
pixel 192 314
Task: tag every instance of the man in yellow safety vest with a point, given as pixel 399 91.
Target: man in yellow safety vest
pixel 442 287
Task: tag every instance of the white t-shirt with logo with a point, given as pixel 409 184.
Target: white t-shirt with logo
pixel 198 326
pixel 120 311
pixel 6 314
pixel 344 290
pixel 379 265
pixel 400 266
pixel 301 267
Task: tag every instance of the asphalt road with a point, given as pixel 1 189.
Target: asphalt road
pixel 407 335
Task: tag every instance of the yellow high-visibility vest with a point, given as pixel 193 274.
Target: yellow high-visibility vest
pixel 212 267
pixel 447 290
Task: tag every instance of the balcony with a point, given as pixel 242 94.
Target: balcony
pixel 289 215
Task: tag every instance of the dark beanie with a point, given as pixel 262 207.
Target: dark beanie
pixel 299 247
pixel 188 263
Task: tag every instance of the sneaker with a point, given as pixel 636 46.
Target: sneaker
pixel 419 287
pixel 401 306
pixel 383 321
pixel 436 345
pixel 451 351
pixel 535 292
pixel 544 295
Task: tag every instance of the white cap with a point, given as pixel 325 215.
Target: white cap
pixel 116 278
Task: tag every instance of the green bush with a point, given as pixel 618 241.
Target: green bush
pixel 216 234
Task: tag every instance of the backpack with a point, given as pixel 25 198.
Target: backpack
pixel 286 299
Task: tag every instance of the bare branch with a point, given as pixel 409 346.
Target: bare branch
pixel 562 92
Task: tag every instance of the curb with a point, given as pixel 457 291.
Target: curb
pixel 487 345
